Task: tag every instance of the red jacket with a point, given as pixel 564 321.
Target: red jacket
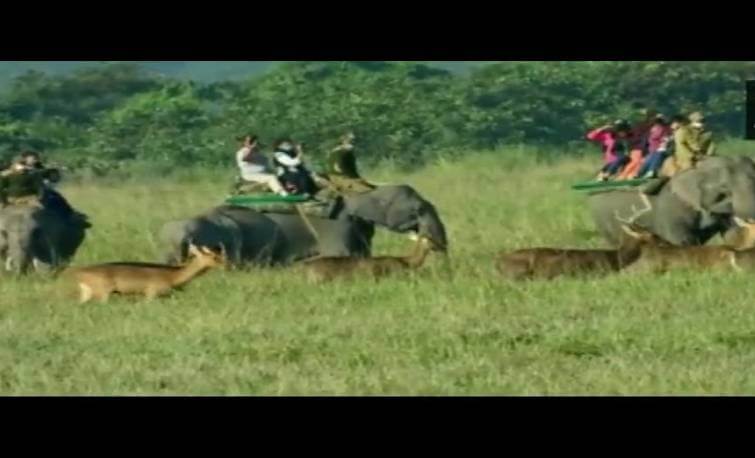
pixel 609 142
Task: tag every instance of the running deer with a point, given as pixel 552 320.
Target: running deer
pixel 150 280
pixel 549 263
pixel 743 238
pixel 661 257
pixel 328 268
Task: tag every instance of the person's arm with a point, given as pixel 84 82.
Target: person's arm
pixel 683 143
pixel 710 147
pixel 334 159
pixel 286 160
pixel 597 135
pixel 656 135
pixel 241 156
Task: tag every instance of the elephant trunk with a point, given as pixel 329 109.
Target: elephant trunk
pixel 432 228
pixel 743 201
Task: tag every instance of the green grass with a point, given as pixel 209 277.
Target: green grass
pixel 451 329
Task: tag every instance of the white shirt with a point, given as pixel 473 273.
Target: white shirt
pixel 286 160
pixel 251 165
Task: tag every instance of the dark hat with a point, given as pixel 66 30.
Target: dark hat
pixel 286 146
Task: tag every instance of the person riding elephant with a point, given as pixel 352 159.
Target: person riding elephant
pixel 639 144
pixel 291 171
pixel 692 141
pixel 253 167
pixel 23 183
pixel 614 141
pixel 342 171
pixel 703 136
pixel 660 140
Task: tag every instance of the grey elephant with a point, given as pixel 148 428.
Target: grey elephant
pixel 689 209
pixel 37 238
pixel 277 238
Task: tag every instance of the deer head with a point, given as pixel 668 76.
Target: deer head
pixel 206 256
pixel 642 235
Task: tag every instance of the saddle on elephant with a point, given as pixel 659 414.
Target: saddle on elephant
pixel 346 185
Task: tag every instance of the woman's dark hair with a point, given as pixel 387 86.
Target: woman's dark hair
pixel 244 137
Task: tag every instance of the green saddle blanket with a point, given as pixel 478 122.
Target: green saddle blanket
pixel 264 199
pixel 273 203
pixel 601 185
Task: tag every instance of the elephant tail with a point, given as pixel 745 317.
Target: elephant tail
pixel 308 223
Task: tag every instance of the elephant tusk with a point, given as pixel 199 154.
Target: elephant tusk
pixel 414 237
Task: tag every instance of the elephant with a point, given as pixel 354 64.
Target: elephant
pixel 39 238
pixel 690 208
pixel 281 238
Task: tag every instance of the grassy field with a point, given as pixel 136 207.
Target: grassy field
pixel 451 329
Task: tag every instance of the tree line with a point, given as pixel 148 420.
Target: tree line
pixel 406 111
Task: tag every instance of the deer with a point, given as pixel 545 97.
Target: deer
pixel 743 238
pixel 655 254
pixel 549 263
pixel 661 257
pixel 99 282
pixel 321 269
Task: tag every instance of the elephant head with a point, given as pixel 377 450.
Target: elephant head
pixel 719 186
pixel 399 209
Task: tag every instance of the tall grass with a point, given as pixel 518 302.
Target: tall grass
pixel 451 328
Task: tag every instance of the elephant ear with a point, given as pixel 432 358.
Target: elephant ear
pixel 705 190
pixel 396 208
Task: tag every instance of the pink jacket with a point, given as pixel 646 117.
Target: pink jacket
pixel 656 136
pixel 607 139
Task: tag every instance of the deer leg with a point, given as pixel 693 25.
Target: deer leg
pixel 86 293
pixel 102 296
pixel 153 293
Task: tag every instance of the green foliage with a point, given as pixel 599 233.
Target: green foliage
pixel 405 112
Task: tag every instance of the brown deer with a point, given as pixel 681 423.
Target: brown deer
pixel 743 238
pixel 549 263
pixel 327 268
pixel 658 256
pixel 150 280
